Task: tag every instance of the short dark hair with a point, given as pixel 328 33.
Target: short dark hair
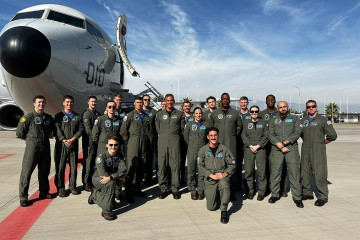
pixel 92 96
pixel 313 101
pixel 254 106
pixel 197 109
pixel 146 95
pixel 138 98
pixel 210 97
pixel 110 101
pixel 38 97
pixel 117 139
pixel 68 97
pixel 244 98
pixel 169 95
pixel 225 94
pixel 270 95
pixel 118 95
pixel 212 129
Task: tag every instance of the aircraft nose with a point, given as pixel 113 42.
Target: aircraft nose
pixel 25 52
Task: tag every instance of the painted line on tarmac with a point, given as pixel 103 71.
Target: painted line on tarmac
pixel 18 223
pixel 2 156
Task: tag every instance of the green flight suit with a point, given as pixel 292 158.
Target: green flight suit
pixel 284 183
pixel 313 154
pixel 152 146
pixel 217 192
pixel 255 133
pixel 240 151
pixel 206 116
pixel 135 132
pixel 280 130
pixel 104 128
pixel 195 137
pixel 88 145
pixel 170 127
pixel 36 130
pixel 106 166
pixel 183 150
pixel 67 128
pixel 229 124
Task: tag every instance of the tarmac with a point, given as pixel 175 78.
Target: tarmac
pixel 73 218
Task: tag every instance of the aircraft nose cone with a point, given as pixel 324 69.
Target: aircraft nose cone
pixel 25 52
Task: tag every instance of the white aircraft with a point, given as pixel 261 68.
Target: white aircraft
pixel 53 50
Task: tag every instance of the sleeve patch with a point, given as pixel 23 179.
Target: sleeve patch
pixel 329 123
pixel 98 160
pixel 23 119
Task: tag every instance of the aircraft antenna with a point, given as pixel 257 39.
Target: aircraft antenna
pixel 121 43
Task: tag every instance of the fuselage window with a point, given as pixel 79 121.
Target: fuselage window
pixel 59 17
pixel 24 15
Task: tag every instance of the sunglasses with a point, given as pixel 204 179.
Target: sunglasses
pixel 111 107
pixel 254 111
pixel 113 145
pixel 312 106
pixel 145 100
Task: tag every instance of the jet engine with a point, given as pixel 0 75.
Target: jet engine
pixel 10 115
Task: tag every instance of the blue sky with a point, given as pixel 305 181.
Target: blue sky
pixel 247 47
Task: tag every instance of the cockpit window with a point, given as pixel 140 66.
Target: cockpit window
pixel 23 15
pixel 94 32
pixel 63 18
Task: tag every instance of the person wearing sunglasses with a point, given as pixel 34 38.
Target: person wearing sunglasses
pixel 106 126
pixel 284 131
pixel 152 147
pixel 110 172
pixel 317 132
pixel 89 146
pixel 254 136
pixel 69 128
pixel 135 130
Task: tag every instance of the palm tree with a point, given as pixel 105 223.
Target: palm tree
pixel 332 109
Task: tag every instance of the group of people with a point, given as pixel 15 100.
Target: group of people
pixel 119 149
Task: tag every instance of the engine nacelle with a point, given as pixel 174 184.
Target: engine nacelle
pixel 10 115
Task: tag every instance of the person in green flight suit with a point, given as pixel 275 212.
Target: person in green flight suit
pixel 106 126
pixel 195 138
pixel 135 130
pixel 69 128
pixel 216 163
pixel 317 132
pixel 36 129
pixel 229 123
pixel 89 146
pixel 169 125
pixel 110 170
pixel 284 131
pixel 254 136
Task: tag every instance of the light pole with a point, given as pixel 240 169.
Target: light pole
pixel 299 98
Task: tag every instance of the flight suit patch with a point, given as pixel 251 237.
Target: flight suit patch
pixel 250 126
pixel 207 154
pixel 108 162
pixel 174 116
pixel 74 119
pixel 260 126
pixel 98 160
pixel 203 128
pixel 194 127
pixel 37 120
pixel 96 122
pixel 220 116
pixel 86 120
pixel 125 118
pixel 277 121
pixel 46 123
pixel 116 124
pixel 219 155
pixel 313 124
pixel 329 123
pixel 267 116
pixel 65 119
pixel 306 123
pixel 247 117
pixel 136 117
pixel 229 116
pixel 165 117
pixel 23 119
pixel 107 123
pixel 288 120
